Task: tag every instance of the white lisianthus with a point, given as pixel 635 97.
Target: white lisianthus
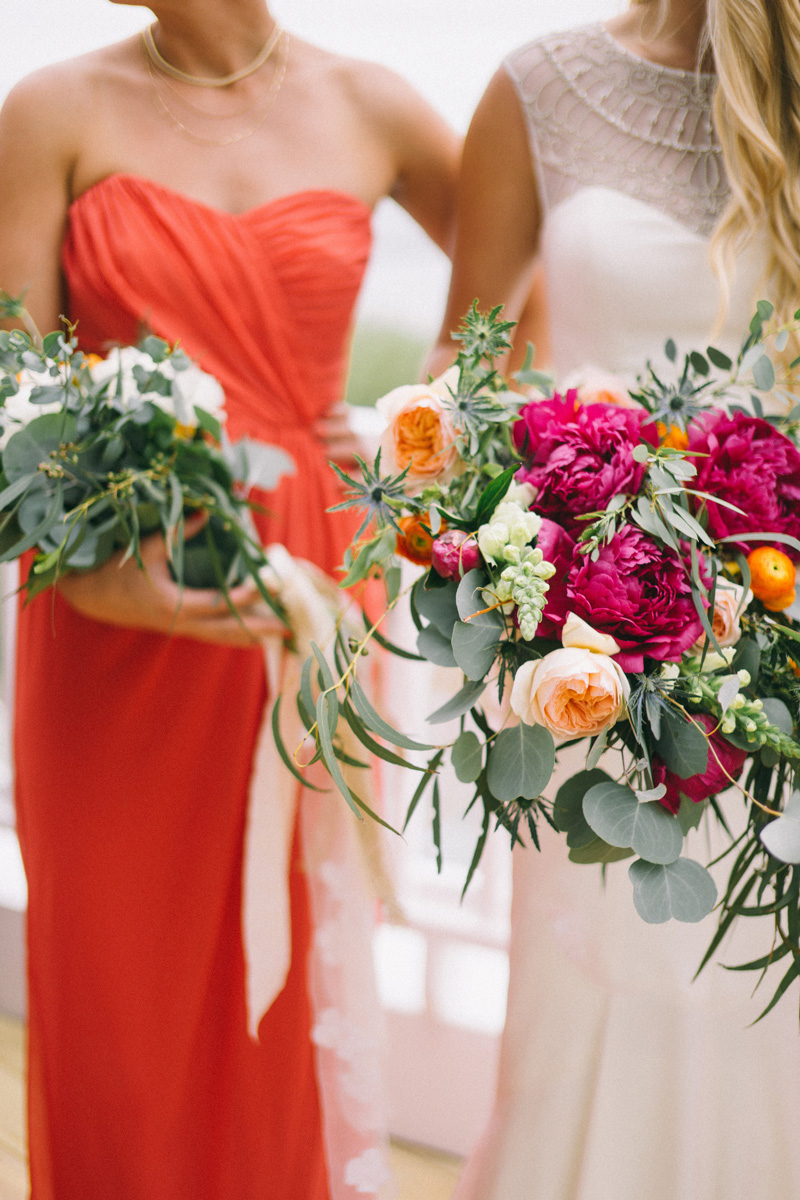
pixel 19 410
pixel 191 386
pixel 196 387
pixel 117 371
pixel 509 530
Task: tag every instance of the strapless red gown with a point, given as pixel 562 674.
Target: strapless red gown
pixel 134 750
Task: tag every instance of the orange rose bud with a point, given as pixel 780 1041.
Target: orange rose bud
pixel 673 438
pixel 414 543
pixel 772 577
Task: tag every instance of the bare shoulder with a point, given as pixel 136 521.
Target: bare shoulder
pixel 375 92
pixel 35 107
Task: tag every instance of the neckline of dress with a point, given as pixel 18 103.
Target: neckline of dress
pixel 660 68
pixel 145 182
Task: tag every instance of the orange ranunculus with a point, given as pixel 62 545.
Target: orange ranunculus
pixel 414 543
pixel 673 438
pixel 772 577
pixel 93 359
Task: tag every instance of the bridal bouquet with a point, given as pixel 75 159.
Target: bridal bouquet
pixel 606 568
pixel 96 453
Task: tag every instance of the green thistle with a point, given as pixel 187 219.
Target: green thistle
pixel 380 497
pixel 483 335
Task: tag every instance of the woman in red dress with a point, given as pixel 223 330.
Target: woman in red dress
pixel 137 192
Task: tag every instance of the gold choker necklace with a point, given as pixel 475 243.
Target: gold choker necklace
pixel 264 104
pixel 167 68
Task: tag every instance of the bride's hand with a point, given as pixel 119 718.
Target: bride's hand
pixel 341 443
pixel 123 594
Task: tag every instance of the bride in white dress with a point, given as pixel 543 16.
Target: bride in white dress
pixel 620 1079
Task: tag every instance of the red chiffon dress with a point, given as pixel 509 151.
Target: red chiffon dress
pixel 134 750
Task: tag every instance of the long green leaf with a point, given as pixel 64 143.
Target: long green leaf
pixel 326 742
pixel 433 766
pixel 479 847
pixel 282 751
pixel 376 723
pixel 374 747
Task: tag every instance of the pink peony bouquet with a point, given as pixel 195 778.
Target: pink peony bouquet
pixel 608 567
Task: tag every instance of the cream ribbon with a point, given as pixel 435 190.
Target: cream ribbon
pixel 314 604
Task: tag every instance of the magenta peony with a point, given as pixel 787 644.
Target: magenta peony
pixel 638 591
pixel 454 554
pixel 725 763
pixel 753 466
pixel 578 457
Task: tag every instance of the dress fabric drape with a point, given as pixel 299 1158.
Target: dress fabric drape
pixel 134 750
pixel 620 1078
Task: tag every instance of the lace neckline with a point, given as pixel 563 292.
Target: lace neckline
pixel 659 68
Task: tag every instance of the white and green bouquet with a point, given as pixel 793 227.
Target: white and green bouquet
pixel 97 453
pixel 609 569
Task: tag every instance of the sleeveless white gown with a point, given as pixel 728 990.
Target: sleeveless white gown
pixel 620 1079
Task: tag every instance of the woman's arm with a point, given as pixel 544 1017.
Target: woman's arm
pixel 38 149
pixel 498 221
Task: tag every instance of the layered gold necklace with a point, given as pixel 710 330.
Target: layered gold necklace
pixel 161 71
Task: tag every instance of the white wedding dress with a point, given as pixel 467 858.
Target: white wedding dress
pixel 620 1079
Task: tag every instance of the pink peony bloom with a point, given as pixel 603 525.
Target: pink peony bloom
pixel 454 554
pixel 579 456
pixel 725 763
pixel 752 465
pixel 638 592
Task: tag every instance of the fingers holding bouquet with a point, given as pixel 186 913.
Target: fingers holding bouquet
pixel 146 595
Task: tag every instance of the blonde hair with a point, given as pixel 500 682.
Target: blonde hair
pixel 756 49
pixel 756 46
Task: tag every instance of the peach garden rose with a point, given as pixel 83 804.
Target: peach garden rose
pixel 728 608
pixel 576 691
pixel 419 433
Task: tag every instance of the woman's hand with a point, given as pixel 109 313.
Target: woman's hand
pixel 336 434
pixel 123 594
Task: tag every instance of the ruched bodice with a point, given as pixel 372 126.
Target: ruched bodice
pixel 262 299
pixel 134 750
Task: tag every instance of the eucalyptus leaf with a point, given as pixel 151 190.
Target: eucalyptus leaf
pixel 475 647
pixel 435 647
pixel 615 814
pixel 438 605
pixel 27 449
pixel 683 890
pixel 459 704
pixel 683 745
pixel 520 763
pixel 690 814
pixel 470 601
pixel 568 806
pixel 778 714
pixel 598 851
pixel 764 374
pixel 467 756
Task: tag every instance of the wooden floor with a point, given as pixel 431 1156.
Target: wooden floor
pixel 421 1174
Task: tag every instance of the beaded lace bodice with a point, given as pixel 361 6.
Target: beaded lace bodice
pixel 598 115
pixel 632 183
